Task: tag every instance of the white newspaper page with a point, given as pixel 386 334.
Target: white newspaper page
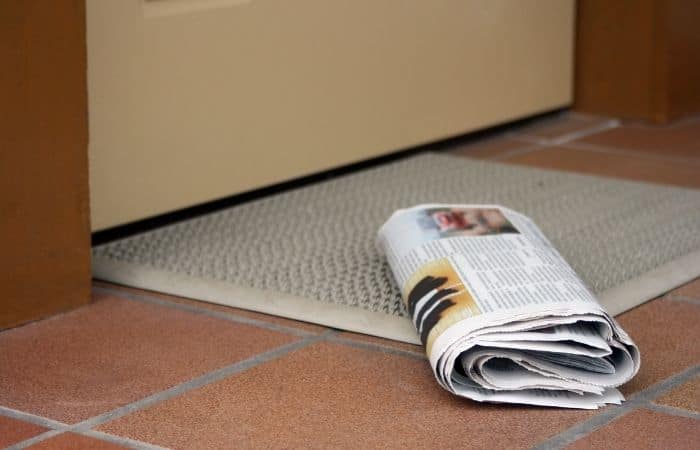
pixel 502 316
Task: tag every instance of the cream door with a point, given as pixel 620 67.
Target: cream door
pixel 193 100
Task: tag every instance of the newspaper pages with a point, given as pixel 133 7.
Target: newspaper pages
pixel 502 316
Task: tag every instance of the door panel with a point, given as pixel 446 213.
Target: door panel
pixel 193 100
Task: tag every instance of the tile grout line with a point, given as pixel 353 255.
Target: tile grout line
pixel 527 139
pixel 585 132
pixel 231 317
pixel 85 427
pixel 636 401
pixel 567 137
pixel 662 386
pixel 532 143
pixel 55 427
pixel 673 410
pixel 33 418
pixel 625 152
pixel 569 141
pixel 120 440
pixel 244 320
pixel 537 143
pixel 588 426
pixel 517 151
pixel 682 298
pixel 377 347
pixel 35 440
pixel 200 381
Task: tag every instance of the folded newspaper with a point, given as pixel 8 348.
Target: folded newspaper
pixel 502 316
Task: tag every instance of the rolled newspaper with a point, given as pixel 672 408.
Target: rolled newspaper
pixel 502 316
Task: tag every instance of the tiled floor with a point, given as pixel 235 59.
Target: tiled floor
pixel 137 369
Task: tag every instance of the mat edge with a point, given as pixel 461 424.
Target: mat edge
pixel 280 304
pixel 651 284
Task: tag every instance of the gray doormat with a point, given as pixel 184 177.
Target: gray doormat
pixel 310 254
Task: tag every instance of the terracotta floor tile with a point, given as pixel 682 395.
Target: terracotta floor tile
pixel 72 441
pixel 418 349
pixel 611 165
pixel 310 327
pixel 13 431
pixel 688 290
pixel 551 128
pixel 644 429
pixel 490 148
pixel 686 396
pixel 113 352
pixel 667 334
pixel 678 141
pixel 334 396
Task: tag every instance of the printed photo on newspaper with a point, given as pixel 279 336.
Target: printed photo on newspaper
pixel 501 314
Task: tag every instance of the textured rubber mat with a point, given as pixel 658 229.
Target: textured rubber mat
pixel 310 254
